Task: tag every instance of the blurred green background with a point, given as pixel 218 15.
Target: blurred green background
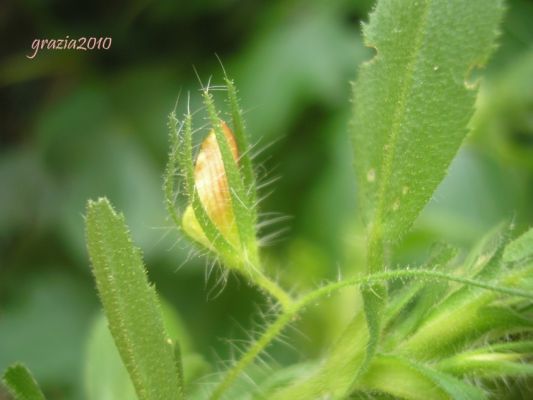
pixel 77 125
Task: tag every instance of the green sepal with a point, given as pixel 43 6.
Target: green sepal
pixel 243 144
pixel 240 201
pixel 214 240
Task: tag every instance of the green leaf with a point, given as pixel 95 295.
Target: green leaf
pixel 406 129
pixel 419 296
pixel 413 102
pixel 520 248
pixel 407 380
pixel 451 331
pixel 401 299
pixel 280 378
pixel 106 377
pixel 489 363
pixel 21 383
pixel 484 260
pixel 335 375
pixel 424 300
pixel 131 305
pixel 455 388
pixel 460 312
pixel 374 302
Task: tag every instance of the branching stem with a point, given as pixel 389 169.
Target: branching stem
pixel 293 308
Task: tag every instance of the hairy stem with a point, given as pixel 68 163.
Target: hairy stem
pixel 294 308
pixel 257 347
pixel 272 289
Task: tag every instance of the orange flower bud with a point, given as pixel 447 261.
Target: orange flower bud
pixel 213 190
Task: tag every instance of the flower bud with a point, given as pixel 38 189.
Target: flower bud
pixel 213 190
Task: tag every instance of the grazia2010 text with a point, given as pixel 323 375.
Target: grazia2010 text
pixel 81 44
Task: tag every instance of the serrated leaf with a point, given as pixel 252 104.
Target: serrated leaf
pixel 520 248
pixel 131 305
pixel 413 102
pixel 21 383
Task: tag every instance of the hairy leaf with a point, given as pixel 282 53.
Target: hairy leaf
pixel 419 296
pixel 131 305
pixel 520 248
pixel 374 302
pixel 106 378
pixel 413 102
pixel 334 377
pixel 455 388
pixel 407 380
pixel 448 332
pixel 21 383
pixel 463 313
pixel 489 364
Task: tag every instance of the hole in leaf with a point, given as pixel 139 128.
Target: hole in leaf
pixel 473 76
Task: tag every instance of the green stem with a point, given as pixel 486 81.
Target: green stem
pixel 294 308
pixel 258 346
pixel 272 289
pixel 374 295
pixel 375 252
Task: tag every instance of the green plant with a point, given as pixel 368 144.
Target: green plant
pixel 452 328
